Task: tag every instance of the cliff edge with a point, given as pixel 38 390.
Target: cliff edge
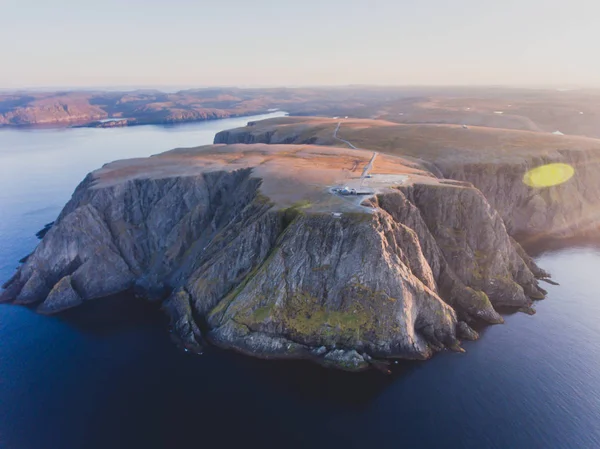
pixel 254 248
pixel 495 161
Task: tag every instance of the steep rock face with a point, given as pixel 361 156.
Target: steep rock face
pixel 397 277
pixel 561 211
pixel 256 132
pixel 179 309
pixel 564 210
pixel 473 261
pixel 338 282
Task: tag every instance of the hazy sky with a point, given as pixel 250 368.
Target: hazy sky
pixel 300 42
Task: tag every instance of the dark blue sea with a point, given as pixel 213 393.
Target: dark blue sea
pixel 107 375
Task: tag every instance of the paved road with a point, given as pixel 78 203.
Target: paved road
pixel 369 166
pixel 342 140
pixel 375 183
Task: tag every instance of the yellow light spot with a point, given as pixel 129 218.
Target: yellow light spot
pixel 548 175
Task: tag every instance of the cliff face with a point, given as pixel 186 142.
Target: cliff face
pixel 494 161
pixel 212 234
pixel 566 210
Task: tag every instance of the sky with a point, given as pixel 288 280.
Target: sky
pixel 84 43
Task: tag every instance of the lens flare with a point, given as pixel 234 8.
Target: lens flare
pixel 548 175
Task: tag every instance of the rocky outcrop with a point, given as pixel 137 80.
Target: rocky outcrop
pixel 205 232
pixel 62 296
pixel 179 309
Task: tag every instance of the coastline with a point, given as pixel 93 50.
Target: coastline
pixel 130 122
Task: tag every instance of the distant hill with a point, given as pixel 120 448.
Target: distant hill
pixel 569 112
pixel 155 107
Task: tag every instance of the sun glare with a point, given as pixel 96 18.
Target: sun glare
pixel 548 175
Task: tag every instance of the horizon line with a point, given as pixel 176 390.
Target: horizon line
pixel 183 87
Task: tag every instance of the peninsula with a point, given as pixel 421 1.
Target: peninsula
pixel 255 247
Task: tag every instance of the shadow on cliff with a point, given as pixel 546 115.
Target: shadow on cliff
pixel 314 383
pixel 305 380
pixel 114 314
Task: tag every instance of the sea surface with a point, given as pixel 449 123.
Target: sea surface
pixel 107 375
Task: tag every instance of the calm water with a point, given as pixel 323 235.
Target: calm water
pixel 106 375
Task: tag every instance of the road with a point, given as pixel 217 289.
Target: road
pixel 369 166
pixel 342 140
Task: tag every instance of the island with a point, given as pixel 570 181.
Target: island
pixel 347 257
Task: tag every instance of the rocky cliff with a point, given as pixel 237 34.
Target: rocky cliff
pixel 495 161
pixel 248 247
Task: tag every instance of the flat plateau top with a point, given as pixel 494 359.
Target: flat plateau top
pixel 437 143
pixel 291 174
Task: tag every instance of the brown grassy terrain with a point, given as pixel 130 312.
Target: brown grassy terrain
pixel 151 106
pixel 292 174
pixel 571 112
pixel 427 141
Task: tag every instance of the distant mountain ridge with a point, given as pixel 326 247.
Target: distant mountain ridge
pixel 567 112
pixel 154 107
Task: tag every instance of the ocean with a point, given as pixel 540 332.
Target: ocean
pixel 107 375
